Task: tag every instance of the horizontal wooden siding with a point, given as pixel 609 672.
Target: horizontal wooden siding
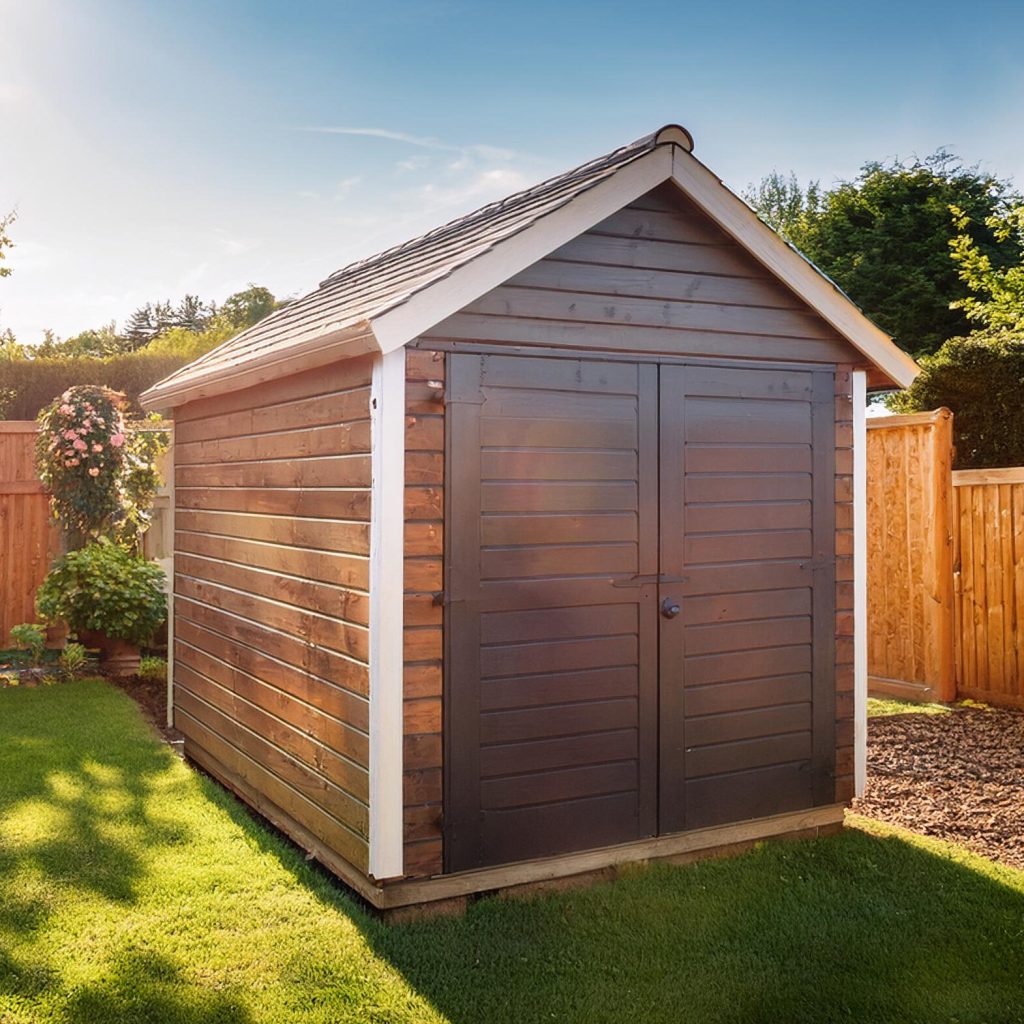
pixel 271 604
pixel 657 277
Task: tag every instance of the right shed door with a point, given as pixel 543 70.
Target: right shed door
pixel 746 554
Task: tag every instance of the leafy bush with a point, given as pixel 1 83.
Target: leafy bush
pixel 34 382
pixel 103 586
pixel 31 637
pixel 152 670
pixel 981 379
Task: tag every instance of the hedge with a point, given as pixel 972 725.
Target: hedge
pixel 981 379
pixel 34 383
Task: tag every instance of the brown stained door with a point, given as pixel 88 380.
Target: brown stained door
pixel 746 665
pixel 551 683
pixel 583 506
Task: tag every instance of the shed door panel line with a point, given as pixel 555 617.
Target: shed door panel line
pixel 582 709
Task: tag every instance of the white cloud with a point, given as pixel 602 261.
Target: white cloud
pixel 378 133
pixel 480 150
pixel 345 186
pixel 413 163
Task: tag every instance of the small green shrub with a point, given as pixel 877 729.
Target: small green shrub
pixel 73 661
pixel 103 586
pixel 152 670
pixel 31 637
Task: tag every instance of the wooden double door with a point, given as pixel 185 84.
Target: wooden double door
pixel 640 600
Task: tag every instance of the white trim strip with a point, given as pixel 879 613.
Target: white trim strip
pixel 387 586
pixel 860 580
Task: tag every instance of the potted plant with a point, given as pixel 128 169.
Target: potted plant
pixel 111 599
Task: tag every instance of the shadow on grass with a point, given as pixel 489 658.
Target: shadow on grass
pixel 75 817
pixel 143 986
pixel 853 927
pixel 75 808
pixel 859 926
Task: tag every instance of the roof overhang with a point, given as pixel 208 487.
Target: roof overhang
pixel 669 160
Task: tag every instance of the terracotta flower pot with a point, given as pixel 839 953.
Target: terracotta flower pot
pixel 117 657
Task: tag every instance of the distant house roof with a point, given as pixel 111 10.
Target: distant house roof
pixel 386 300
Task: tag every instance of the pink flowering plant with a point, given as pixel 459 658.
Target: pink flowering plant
pixel 81 453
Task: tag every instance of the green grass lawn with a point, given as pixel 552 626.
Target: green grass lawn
pixel 134 890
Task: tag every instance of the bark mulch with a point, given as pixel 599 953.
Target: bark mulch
pixel 958 776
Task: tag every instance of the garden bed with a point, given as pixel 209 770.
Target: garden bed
pixel 956 776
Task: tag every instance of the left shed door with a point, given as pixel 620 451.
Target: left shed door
pixel 551 728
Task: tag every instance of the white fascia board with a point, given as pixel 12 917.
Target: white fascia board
pixel 738 220
pixel 403 323
pixel 387 599
pixel 860 580
pixel 320 350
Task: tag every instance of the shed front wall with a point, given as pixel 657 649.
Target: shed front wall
pixel 657 281
pixel 272 517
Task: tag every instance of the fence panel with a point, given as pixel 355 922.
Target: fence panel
pixel 910 558
pixel 28 542
pixel 989 584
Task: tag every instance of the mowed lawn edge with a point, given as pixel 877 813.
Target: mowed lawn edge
pixel 133 888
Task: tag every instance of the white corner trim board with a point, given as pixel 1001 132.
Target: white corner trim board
pixel 387 554
pixel 860 580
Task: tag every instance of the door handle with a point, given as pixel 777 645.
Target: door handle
pixel 670 608
pixel 649 578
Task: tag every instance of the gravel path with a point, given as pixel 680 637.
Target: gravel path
pixel 958 776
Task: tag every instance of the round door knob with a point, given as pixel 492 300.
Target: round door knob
pixel 670 608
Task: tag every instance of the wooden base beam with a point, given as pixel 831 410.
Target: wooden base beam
pixel 447 894
pixel 679 848
pixel 922 692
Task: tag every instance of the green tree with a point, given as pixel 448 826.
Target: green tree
pixel 997 301
pixel 5 240
pixel 783 203
pixel 884 238
pixel 981 376
pixel 248 307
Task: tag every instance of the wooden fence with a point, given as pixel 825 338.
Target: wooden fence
pixel 910 556
pixel 945 568
pixel 989 578
pixel 27 540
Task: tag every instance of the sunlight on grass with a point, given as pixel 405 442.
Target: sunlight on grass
pixel 135 890
pixel 879 707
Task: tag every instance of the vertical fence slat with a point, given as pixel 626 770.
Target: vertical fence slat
pixel 26 537
pixel 910 574
pixel 990 616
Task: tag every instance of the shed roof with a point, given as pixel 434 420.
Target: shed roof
pixel 384 301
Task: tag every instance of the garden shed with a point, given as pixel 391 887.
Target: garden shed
pixel 533 546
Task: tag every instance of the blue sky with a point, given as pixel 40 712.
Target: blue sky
pixel 153 148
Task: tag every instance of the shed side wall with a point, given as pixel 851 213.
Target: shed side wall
pixel 271 607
